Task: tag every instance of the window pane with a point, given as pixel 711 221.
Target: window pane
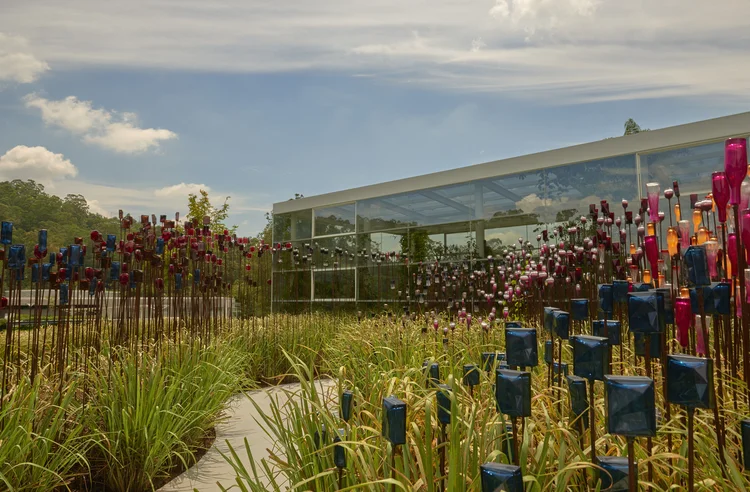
pixel 446 243
pixel 370 246
pixel 568 190
pixel 287 261
pixel 329 250
pixel 691 167
pixel 548 195
pixel 425 207
pixel 334 220
pixel 292 226
pixel 334 284
pixel 498 239
pixel 291 286
pixel 385 281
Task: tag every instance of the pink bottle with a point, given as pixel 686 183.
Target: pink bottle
pixel 720 190
pixel 682 314
pixel 735 166
pixel 652 192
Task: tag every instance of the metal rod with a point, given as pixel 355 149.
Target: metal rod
pixel 515 441
pixel 631 465
pixel 393 467
pixel 691 457
pixel 442 443
pixel 592 427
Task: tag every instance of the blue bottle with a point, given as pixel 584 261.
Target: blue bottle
pixel 513 392
pixel 111 242
pixel 590 356
pixel 6 232
pixel 471 375
pixel 643 312
pixel 696 262
pixel 347 398
pixel 606 298
pixel 579 309
pixel 114 271
pixel 42 240
pixel 631 406
pixel 615 475
pixel 17 257
pixel 579 404
pixel 394 420
pixel 521 347
pixel 498 476
pixel 63 293
pixel 443 397
pixel 690 381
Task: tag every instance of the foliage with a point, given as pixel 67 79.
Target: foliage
pixel 200 206
pixel 380 357
pixel 417 244
pixel 132 416
pixel 266 235
pixel 41 438
pixel 150 416
pixel 30 208
pixel 631 127
pixel 153 409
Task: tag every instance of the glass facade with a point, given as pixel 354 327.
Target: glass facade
pixel 351 247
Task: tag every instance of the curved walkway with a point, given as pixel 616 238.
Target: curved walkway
pixel 241 423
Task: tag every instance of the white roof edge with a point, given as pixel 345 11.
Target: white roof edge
pixel 674 136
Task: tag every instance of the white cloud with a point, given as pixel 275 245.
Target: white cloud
pixel 535 15
pixel 507 237
pixel 17 63
pixel 107 200
pixel 546 209
pixel 37 163
pixel 71 114
pixel 108 129
pixel 560 50
pixel 128 139
pixel 95 207
pixel 477 44
pixel 181 190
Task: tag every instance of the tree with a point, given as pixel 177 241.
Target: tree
pixel 30 208
pixel 631 127
pixel 266 235
pixel 200 207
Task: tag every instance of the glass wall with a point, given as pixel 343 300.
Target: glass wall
pixel 292 226
pixel 691 167
pixel 334 220
pixel 353 247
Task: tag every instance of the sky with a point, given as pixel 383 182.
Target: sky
pixel 136 104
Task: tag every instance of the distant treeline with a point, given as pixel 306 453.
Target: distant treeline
pixel 30 208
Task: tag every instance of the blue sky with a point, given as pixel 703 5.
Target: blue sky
pixel 135 104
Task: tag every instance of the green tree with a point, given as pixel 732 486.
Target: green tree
pixel 31 208
pixel 266 235
pixel 631 127
pixel 200 206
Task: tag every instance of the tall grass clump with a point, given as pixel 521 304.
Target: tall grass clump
pixel 150 411
pixel 42 441
pixel 377 358
pixel 267 340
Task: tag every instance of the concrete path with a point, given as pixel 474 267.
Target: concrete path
pixel 212 469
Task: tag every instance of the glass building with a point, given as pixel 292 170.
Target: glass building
pixel 351 239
